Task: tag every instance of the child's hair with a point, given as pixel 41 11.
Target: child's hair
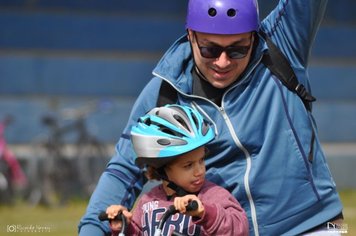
pixel 152 174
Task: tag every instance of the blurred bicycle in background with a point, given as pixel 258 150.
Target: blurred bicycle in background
pixel 12 177
pixel 70 158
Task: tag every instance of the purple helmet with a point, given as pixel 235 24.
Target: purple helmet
pixel 223 16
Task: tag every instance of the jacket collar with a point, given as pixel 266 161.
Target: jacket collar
pixel 176 64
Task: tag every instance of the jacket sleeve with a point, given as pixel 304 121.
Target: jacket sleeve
pixel 223 214
pixel 122 180
pixel 292 25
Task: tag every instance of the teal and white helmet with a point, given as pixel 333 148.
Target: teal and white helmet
pixel 167 132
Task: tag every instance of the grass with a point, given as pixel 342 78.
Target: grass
pixel 63 221
pixel 348 198
pixel 57 221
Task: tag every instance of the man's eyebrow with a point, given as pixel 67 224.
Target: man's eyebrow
pixel 236 43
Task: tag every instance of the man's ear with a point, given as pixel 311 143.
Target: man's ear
pixel 189 33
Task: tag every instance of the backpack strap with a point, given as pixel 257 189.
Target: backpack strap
pixel 278 64
pixel 167 94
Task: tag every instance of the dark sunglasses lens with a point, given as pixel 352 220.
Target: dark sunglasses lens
pixel 237 52
pixel 232 52
pixel 211 52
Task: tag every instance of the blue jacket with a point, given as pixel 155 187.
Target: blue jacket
pixel 263 138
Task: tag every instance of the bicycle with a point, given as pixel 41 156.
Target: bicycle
pixel 70 166
pixel 192 206
pixel 12 177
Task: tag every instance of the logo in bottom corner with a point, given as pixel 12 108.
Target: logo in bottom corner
pixel 337 228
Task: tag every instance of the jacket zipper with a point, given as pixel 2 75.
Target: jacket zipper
pixel 237 142
pixel 248 162
pixel 248 169
pixel 246 153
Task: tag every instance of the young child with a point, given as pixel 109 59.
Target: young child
pixel 170 142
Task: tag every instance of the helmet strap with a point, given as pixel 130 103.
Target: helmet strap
pixel 180 192
pixel 177 189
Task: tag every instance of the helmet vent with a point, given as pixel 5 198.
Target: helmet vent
pixel 166 130
pixel 182 122
pixel 205 128
pixel 147 121
pixel 231 12
pixel 212 12
pixel 195 120
pixel 164 142
pixel 170 132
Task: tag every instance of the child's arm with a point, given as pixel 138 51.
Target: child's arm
pixel 223 215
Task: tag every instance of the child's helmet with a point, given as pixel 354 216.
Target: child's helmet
pixel 166 132
pixel 223 16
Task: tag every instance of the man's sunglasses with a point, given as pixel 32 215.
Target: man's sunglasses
pixel 234 52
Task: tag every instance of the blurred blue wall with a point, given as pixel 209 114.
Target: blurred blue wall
pixel 61 53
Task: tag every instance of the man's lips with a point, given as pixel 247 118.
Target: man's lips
pixel 221 74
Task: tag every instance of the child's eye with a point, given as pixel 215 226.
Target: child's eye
pixel 188 166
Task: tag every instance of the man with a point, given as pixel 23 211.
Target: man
pixel 265 152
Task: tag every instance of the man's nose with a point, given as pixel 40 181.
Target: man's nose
pixel 223 60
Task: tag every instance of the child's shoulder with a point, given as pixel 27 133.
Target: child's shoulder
pixel 210 186
pixel 155 192
pixel 212 192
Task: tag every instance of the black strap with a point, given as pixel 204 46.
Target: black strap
pixel 279 65
pixel 167 94
pixel 178 190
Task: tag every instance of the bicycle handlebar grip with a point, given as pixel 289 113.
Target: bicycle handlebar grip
pixel 103 216
pixel 192 206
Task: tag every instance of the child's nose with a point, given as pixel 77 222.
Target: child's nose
pixel 199 170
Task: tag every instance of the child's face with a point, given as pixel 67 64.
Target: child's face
pixel 188 170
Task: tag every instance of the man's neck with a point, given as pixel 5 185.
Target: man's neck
pixel 203 88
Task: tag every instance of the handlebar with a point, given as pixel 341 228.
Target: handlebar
pixel 192 206
pixel 103 217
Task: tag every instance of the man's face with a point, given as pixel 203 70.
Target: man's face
pixel 222 70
